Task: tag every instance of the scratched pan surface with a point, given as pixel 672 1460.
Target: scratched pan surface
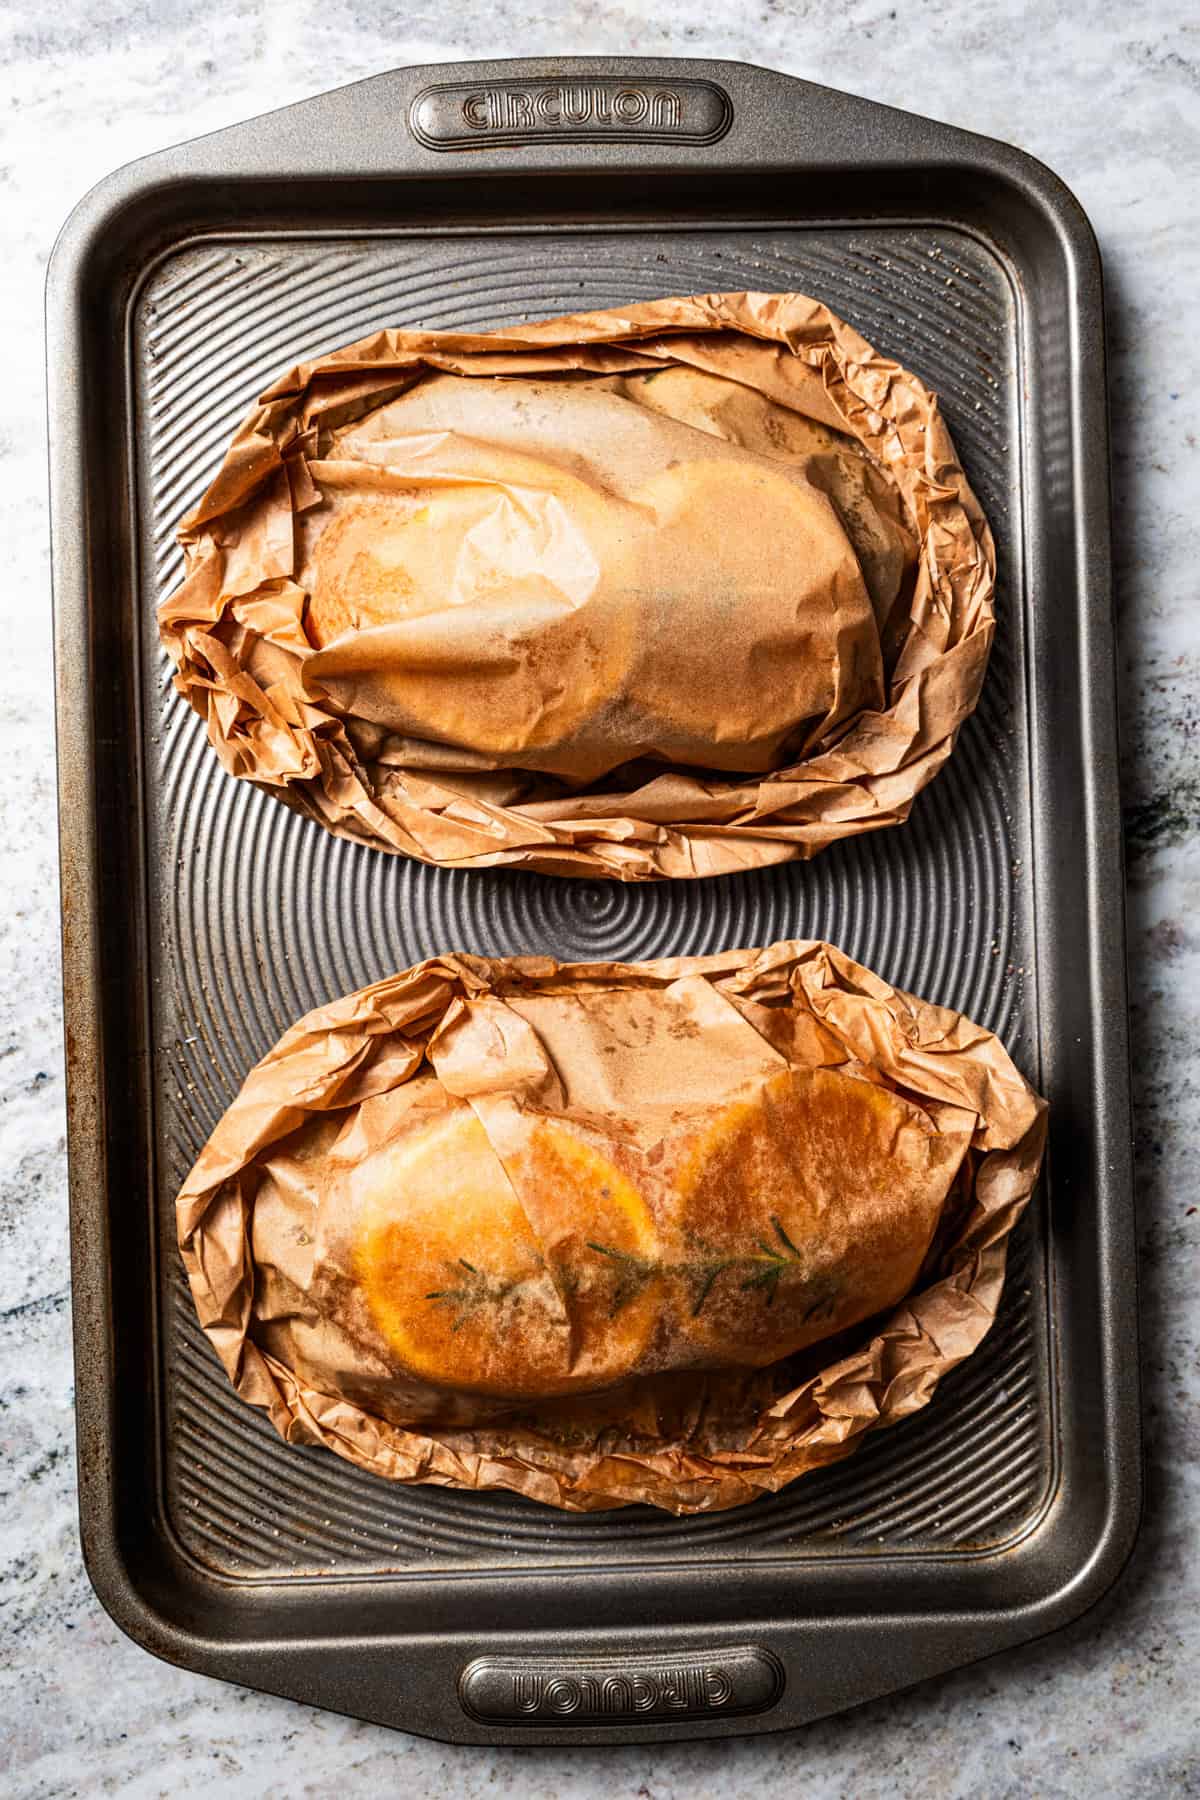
pixel 202 918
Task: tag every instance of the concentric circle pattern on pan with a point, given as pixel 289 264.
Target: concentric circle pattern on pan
pixel 264 914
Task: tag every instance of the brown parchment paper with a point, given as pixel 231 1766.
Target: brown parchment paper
pixel 811 734
pixel 694 1441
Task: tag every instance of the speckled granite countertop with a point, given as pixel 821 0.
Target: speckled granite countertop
pixel 1109 96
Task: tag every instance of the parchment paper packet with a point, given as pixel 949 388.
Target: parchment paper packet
pixel 687 587
pixel 341 1342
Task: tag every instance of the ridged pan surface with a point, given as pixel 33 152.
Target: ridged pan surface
pixel 259 915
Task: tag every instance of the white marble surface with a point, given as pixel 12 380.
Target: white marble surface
pixel 1109 95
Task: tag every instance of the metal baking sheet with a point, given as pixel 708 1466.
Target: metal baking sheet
pixel 201 917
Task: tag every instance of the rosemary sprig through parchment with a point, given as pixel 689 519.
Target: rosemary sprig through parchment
pixel 766 1265
pixel 474 1290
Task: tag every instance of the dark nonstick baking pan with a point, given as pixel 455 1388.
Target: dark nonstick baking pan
pixel 201 917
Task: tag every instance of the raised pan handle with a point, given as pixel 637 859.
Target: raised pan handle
pixel 564 113
pixel 570 112
pixel 623 1691
pixel 633 107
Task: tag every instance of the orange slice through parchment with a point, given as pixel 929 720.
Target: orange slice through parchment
pixel 802 1210
pixel 464 1290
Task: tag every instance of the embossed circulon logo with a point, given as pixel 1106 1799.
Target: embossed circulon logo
pixel 457 115
pixel 612 1690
